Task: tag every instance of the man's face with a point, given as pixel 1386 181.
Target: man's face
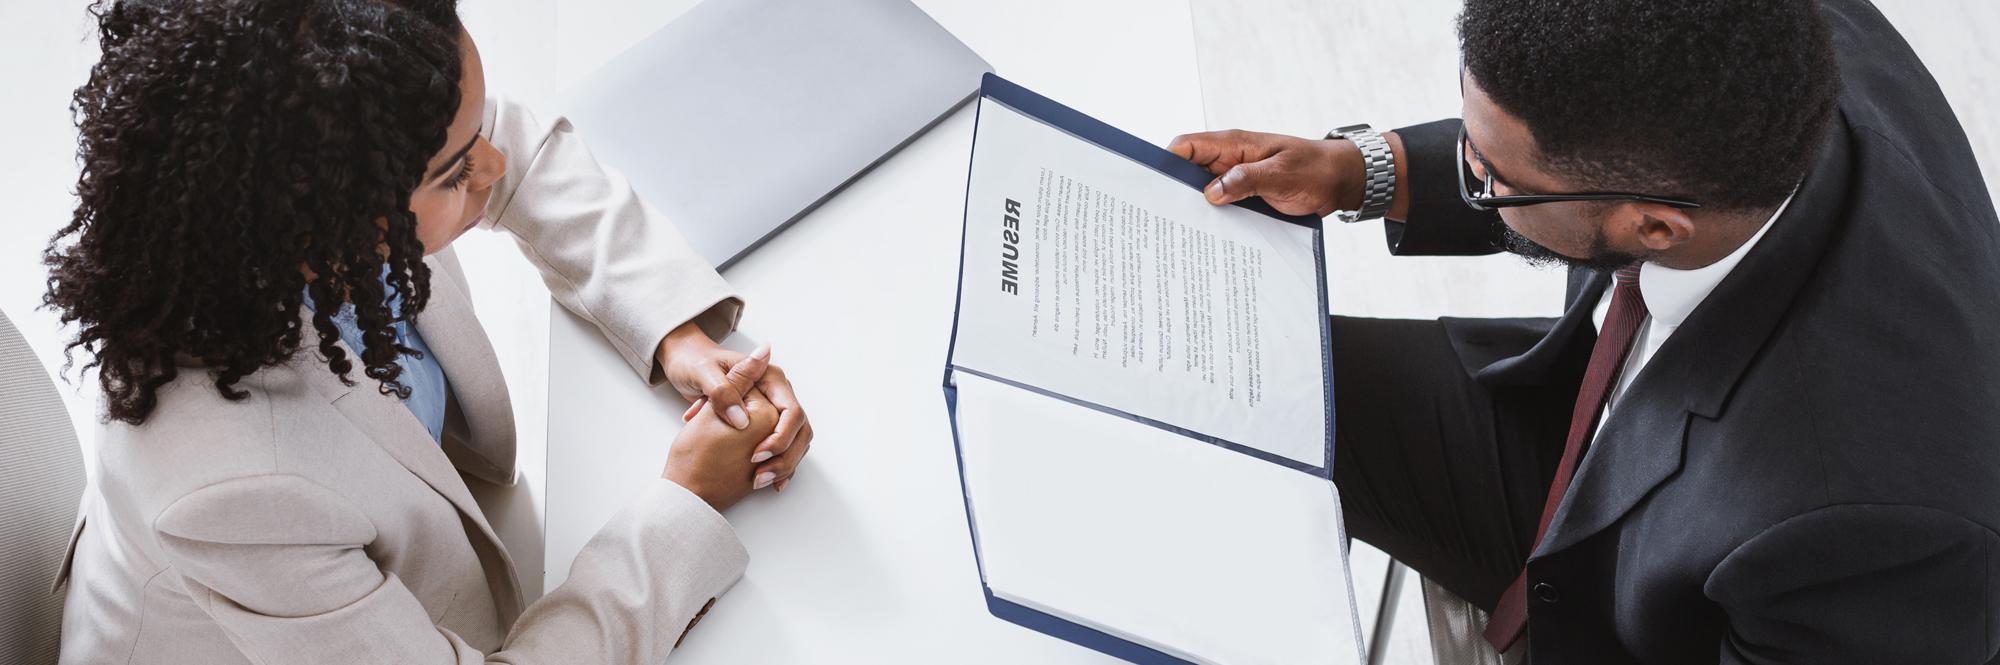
pixel 1576 233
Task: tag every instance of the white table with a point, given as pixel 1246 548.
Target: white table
pixel 866 556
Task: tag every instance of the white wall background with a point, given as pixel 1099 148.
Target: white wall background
pixel 1293 66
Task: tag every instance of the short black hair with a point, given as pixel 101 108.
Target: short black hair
pixel 1721 101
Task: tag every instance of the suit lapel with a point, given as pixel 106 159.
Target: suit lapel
pixel 1638 447
pixel 1644 441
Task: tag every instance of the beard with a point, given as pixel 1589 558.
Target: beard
pixel 1600 257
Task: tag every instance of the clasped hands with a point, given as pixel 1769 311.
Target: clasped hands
pixel 745 430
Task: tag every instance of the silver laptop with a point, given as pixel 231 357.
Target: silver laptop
pixel 743 115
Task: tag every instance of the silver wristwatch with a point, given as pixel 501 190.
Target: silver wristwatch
pixel 1381 170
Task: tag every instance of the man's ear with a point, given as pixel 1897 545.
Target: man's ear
pixel 1656 227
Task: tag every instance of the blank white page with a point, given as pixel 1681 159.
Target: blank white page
pixel 1186 547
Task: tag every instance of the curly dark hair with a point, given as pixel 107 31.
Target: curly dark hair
pixel 441 13
pixel 227 147
pixel 1723 101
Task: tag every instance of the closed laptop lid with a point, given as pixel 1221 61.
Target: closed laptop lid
pixel 743 115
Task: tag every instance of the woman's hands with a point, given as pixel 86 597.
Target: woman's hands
pixel 708 375
pixel 711 458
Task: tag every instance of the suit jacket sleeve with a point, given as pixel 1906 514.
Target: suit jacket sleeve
pixel 605 254
pixel 1861 583
pixel 284 567
pixel 1440 224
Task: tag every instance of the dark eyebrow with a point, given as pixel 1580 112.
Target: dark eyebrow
pixel 468 148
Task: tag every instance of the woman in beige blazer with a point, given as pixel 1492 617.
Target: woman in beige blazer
pixel 296 385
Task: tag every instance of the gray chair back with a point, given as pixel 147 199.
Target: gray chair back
pixel 41 484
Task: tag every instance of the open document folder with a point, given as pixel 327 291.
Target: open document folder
pixel 1141 397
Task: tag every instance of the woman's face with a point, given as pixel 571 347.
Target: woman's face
pixel 458 180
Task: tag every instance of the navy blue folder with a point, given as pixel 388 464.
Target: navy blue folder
pixel 996 90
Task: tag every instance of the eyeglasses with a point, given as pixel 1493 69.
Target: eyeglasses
pixel 1484 198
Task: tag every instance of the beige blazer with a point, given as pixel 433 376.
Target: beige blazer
pixel 316 522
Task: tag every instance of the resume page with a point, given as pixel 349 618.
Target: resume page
pixel 1094 277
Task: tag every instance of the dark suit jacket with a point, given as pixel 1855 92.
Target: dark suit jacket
pixel 1808 471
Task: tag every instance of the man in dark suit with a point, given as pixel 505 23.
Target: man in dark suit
pixel 1766 428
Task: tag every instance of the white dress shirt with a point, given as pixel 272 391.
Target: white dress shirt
pixel 1671 295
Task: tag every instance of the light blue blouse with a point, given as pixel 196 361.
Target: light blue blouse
pixel 422 374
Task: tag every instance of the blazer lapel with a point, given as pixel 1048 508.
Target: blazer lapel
pixel 1637 448
pixel 481 440
pixel 1644 440
pixel 386 421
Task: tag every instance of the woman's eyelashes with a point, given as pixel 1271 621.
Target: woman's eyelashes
pixel 463 176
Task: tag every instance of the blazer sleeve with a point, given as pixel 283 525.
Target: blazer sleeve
pixel 1861 583
pixel 605 254
pixel 283 565
pixel 1440 223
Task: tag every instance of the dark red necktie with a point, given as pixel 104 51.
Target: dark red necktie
pixel 1607 358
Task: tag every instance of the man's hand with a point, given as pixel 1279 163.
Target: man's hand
pixel 1296 176
pixel 712 458
pixel 708 375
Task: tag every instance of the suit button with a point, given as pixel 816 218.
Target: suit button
pixel 1547 592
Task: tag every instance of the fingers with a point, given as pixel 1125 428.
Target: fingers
pixel 1243 181
pixel 790 423
pixel 726 400
pixel 726 389
pixel 694 409
pixel 1246 164
pixel 1220 151
pixel 779 471
pixel 791 418
pixel 804 444
pixel 747 371
pixel 1183 146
